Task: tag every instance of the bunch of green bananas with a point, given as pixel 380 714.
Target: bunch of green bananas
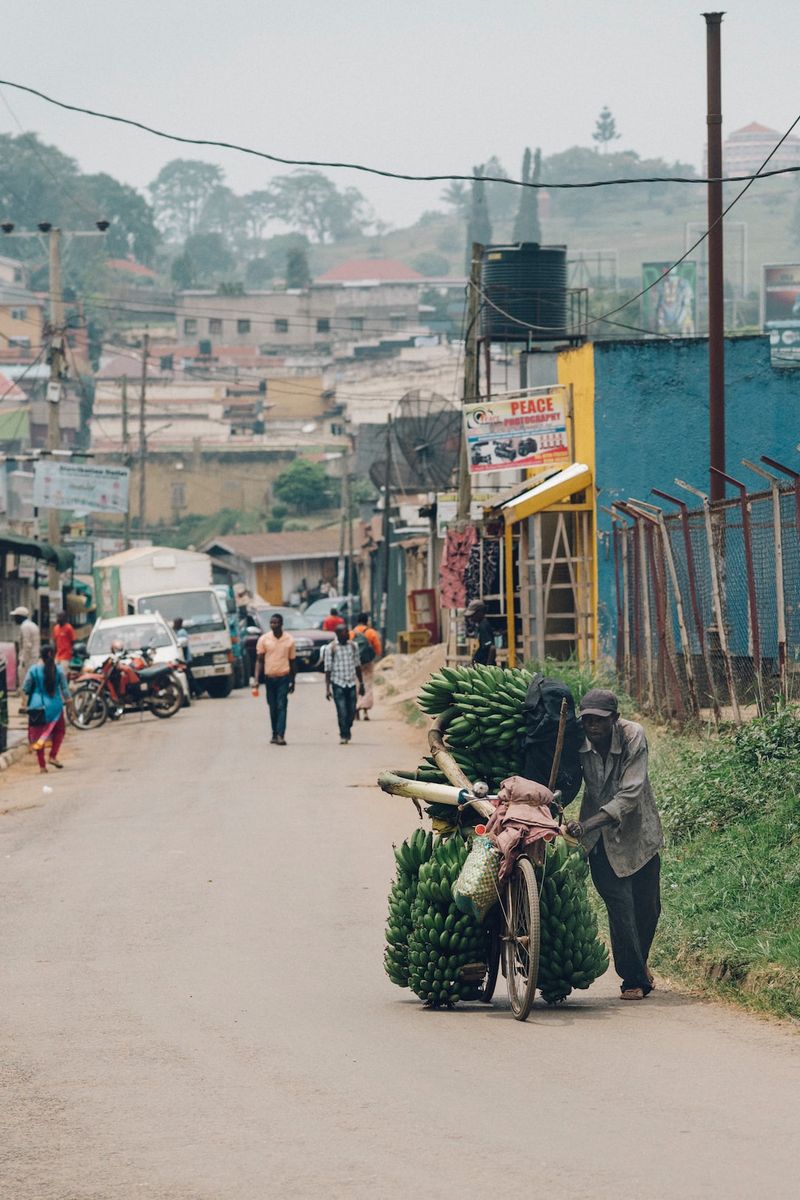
pixel 485 735
pixel 410 856
pixel 571 955
pixel 447 950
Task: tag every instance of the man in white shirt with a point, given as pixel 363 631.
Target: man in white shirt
pixel 30 642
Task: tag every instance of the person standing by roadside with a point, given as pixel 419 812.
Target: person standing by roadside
pixel 275 660
pixel 30 640
pixel 63 639
pixel 47 692
pixel 333 621
pixel 477 620
pixel 342 669
pixel 620 827
pixel 368 641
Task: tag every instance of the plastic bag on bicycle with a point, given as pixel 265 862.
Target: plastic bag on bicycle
pixel 475 890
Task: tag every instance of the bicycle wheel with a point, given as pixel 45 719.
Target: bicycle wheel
pixel 88 709
pixel 521 938
pixel 486 990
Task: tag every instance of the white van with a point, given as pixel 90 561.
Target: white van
pixel 206 628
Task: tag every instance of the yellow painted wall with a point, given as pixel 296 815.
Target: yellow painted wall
pixel 31 327
pixel 576 367
pixel 295 399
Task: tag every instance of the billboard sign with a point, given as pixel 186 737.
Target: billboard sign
pixel 518 430
pixel 669 306
pixel 780 302
pixel 80 486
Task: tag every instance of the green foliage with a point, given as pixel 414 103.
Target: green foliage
pixel 605 130
pixel 258 272
pixel 430 263
pixel 183 271
pixel 578 678
pixel 279 511
pixel 180 191
pixel 304 486
pixel 132 229
pixel 195 528
pixel 298 272
pixel 274 524
pixel 479 228
pixel 209 254
pixel 527 227
pixel 311 202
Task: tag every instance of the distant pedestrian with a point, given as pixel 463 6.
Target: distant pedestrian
pixel 479 623
pixel 46 689
pixel 333 621
pixel 342 668
pixel 275 660
pixel 370 649
pixel 30 642
pixel 63 639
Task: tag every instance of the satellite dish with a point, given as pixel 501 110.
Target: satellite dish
pixel 427 429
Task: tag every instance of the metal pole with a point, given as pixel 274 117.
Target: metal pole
pixel 126 456
pixel 387 498
pixel 351 589
pixel 143 437
pixel 780 595
pixel 471 374
pixel 716 289
pixel 56 369
pixel 752 599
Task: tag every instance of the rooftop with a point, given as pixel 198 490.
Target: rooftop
pixel 267 547
pixel 371 270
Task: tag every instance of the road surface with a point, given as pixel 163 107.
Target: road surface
pixel 193 1005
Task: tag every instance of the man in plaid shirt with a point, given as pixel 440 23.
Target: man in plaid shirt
pixel 340 662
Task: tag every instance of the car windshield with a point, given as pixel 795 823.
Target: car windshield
pixel 291 620
pixel 136 636
pixel 199 611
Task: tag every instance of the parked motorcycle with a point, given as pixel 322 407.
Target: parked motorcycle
pixel 123 684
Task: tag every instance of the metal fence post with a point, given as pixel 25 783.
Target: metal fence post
pixel 752 598
pixel 780 598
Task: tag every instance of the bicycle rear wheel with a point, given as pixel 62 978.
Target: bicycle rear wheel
pixel 521 938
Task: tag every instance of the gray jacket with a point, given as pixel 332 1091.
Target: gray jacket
pixel 621 787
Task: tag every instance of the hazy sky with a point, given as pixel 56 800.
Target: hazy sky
pixel 420 86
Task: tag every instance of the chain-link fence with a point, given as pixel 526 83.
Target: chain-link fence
pixel 708 602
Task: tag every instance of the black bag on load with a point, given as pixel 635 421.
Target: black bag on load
pixel 541 711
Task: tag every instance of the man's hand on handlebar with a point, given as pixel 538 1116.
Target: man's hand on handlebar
pixel 575 829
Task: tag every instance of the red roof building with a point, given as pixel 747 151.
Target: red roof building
pixel 371 270
pixel 745 150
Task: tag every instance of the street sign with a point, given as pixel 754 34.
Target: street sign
pixel 518 430
pixel 80 486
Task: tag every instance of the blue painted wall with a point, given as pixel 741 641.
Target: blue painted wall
pixel 651 425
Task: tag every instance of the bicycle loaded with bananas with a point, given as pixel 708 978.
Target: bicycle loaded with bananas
pixel 451 921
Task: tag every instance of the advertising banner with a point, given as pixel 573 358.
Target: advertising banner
pixel 80 486
pixel 83 550
pixel 518 430
pixel 670 304
pixel 781 312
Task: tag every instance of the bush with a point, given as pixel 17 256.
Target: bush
pixel 274 524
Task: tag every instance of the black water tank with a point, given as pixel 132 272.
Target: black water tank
pixel 529 283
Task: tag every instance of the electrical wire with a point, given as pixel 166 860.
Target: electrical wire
pixel 349 166
pixel 15 382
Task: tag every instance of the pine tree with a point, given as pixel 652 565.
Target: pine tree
pixel 479 228
pixel 605 130
pixel 527 227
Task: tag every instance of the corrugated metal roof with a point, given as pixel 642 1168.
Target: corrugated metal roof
pixel 273 547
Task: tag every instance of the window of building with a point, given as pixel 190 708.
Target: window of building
pixel 243 326
pixel 323 325
pixel 21 343
pixel 19 314
pixel 190 325
pixel 356 324
pixel 215 325
pixel 281 325
pixel 179 495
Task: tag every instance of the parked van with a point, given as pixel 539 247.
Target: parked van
pixel 206 627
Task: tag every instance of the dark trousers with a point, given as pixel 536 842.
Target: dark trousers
pixel 278 701
pixel 634 905
pixel 345 700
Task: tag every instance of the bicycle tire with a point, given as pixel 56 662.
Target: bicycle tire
pixel 486 990
pixel 521 939
pixel 88 709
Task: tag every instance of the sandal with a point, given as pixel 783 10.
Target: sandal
pixel 55 763
pixel 632 994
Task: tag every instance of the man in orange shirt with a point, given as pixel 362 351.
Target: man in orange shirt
pixel 275 659
pixel 64 639
pixel 368 641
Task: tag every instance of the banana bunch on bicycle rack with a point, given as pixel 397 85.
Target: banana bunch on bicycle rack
pixel 432 945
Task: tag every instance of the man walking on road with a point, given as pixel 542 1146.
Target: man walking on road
pixel 477 620
pixel 30 644
pixel 340 662
pixel 63 639
pixel 275 659
pixel 620 827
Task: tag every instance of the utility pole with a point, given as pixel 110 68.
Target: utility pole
pixel 387 501
pixel 143 437
pixel 54 390
pixel 349 511
pixel 126 455
pixel 471 375
pixel 716 291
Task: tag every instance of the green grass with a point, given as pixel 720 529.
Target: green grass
pixel 731 872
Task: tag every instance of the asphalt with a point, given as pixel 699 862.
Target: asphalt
pixel 194 1008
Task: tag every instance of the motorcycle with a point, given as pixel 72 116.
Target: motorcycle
pixel 125 683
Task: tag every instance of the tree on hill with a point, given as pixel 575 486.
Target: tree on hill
pixel 304 486
pixel 527 227
pixel 311 202
pixel 132 229
pixel 298 272
pixel 258 209
pixel 183 272
pixel 179 191
pixel 479 228
pixel 209 254
pixel 605 130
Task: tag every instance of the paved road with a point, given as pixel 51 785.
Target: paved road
pixel 193 1006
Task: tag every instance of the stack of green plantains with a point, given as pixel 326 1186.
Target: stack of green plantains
pixel 571 955
pixel 437 951
pixel 484 736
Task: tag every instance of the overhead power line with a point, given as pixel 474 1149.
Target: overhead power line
pixel 349 166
